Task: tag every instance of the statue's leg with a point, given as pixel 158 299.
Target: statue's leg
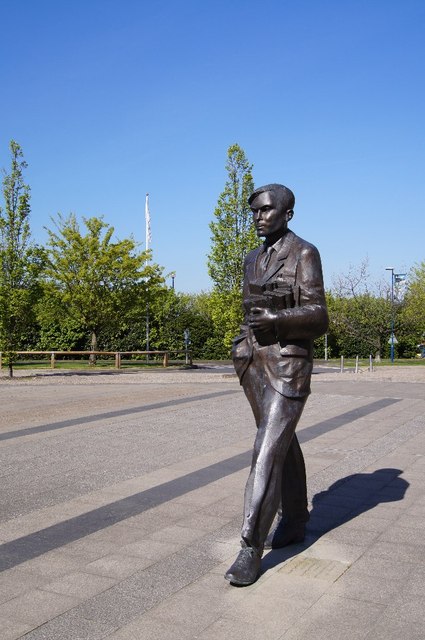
pixel 278 418
pixel 254 383
pixel 293 512
pixel 294 486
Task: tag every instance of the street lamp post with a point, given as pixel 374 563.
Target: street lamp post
pixel 395 278
pixel 392 313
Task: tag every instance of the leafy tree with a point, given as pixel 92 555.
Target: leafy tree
pixel 56 330
pixel 360 314
pixel 360 325
pixel 233 236
pixel 181 311
pixel 226 313
pixel 97 282
pixel 413 312
pixel 129 332
pixel 20 262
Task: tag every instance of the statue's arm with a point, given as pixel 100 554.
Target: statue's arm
pixel 244 329
pixel 310 318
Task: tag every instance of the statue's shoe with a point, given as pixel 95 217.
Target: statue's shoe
pixel 285 534
pixel 246 568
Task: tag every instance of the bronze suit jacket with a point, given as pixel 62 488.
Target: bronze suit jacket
pixel 288 361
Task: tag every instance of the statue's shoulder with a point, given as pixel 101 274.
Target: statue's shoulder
pixel 252 255
pixel 303 246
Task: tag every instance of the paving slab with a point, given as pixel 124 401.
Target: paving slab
pixel 122 501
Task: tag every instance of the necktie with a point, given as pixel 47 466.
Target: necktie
pixel 266 258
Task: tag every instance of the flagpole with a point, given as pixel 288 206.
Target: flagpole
pixel 148 235
pixel 148 238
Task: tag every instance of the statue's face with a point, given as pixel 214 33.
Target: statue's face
pixel 270 216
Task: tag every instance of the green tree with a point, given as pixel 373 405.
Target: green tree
pixel 97 282
pixel 360 314
pixel 232 237
pixel 56 330
pixel 20 261
pixel 233 234
pixel 360 325
pixel 226 312
pixel 181 311
pixel 414 303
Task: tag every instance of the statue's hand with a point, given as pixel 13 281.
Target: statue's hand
pixel 261 319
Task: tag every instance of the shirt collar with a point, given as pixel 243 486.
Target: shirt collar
pixel 277 245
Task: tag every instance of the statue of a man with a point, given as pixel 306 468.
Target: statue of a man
pixel 285 309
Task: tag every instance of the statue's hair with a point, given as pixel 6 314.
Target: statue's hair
pixel 285 195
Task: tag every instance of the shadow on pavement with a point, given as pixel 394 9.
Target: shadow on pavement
pixel 343 501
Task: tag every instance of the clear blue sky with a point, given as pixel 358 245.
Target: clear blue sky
pixel 111 99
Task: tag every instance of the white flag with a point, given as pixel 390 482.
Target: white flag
pixel 148 222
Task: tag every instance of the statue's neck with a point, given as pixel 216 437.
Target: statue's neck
pixel 274 237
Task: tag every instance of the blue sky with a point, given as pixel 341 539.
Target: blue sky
pixel 111 99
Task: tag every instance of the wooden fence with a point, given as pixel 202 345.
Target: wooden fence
pixel 52 355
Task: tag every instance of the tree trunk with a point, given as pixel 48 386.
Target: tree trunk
pixel 10 366
pixel 93 347
pixel 378 350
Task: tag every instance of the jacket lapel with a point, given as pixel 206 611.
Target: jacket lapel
pixel 257 263
pixel 278 261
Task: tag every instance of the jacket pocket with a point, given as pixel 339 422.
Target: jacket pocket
pixel 241 347
pixel 294 375
pixel 294 350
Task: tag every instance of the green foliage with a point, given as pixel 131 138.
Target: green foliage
pixel 60 332
pixel 100 284
pixel 359 325
pixel 179 312
pixel 407 346
pixel 319 347
pixel 227 315
pixel 129 332
pixel 360 315
pixel 86 289
pixel 233 234
pixel 20 262
pixel 414 303
pixel 360 321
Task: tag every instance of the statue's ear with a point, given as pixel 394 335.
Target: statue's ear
pixel 289 214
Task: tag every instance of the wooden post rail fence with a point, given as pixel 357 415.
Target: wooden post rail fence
pixel 117 355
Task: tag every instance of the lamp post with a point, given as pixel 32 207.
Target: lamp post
pixel 395 278
pixel 392 313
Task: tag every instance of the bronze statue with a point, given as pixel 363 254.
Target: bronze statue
pixel 285 309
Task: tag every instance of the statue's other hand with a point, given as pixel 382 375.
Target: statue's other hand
pixel 261 319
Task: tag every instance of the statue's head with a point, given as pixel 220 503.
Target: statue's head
pixel 283 195
pixel 272 206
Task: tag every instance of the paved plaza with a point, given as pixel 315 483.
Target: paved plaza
pixel 121 503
